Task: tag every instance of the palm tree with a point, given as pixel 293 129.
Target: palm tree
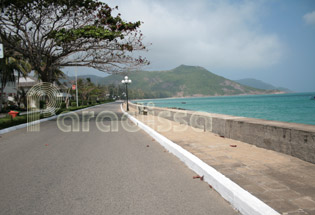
pixel 54 73
pixel 10 65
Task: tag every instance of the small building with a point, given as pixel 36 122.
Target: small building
pixel 63 96
pixel 24 84
pixel 11 89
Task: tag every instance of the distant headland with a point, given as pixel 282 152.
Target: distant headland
pixel 183 81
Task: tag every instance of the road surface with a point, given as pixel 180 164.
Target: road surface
pixel 97 172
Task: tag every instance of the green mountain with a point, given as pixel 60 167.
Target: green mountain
pixel 94 78
pixel 180 82
pixel 260 85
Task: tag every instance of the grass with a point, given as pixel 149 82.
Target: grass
pixel 7 122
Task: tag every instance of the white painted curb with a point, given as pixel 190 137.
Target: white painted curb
pixel 242 200
pixel 13 128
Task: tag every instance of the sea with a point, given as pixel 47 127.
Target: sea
pixel 292 107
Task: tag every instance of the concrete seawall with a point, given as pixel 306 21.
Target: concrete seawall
pixel 297 140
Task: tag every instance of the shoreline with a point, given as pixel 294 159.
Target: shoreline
pixel 268 120
pixel 212 96
pixel 204 113
pixel 275 116
pixel 289 138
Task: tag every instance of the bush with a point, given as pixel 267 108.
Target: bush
pixel 42 104
pixel 8 122
pixel 63 105
pixel 73 104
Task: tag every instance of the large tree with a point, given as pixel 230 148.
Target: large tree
pixel 85 88
pixel 54 34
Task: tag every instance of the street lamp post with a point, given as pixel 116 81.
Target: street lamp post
pixel 126 81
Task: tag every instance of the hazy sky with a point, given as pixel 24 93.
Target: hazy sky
pixel 270 40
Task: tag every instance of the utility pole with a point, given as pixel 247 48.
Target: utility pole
pixel 127 97
pixel 76 85
pixel 1 50
pixel 1 61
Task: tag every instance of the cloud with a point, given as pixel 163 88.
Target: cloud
pixel 309 18
pixel 213 34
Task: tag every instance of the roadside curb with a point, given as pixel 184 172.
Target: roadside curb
pixel 239 198
pixel 16 127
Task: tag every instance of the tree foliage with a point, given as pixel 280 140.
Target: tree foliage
pixel 12 66
pixel 86 88
pixel 58 33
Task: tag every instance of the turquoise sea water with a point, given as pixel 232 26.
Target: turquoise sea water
pixel 293 107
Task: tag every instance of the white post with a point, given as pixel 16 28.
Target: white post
pixel 1 51
pixel 76 86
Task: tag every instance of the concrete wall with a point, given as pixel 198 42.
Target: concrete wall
pixel 297 140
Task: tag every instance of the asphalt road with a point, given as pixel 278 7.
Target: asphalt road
pixel 95 172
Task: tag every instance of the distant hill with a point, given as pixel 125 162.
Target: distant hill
pixel 94 78
pixel 260 85
pixel 181 82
